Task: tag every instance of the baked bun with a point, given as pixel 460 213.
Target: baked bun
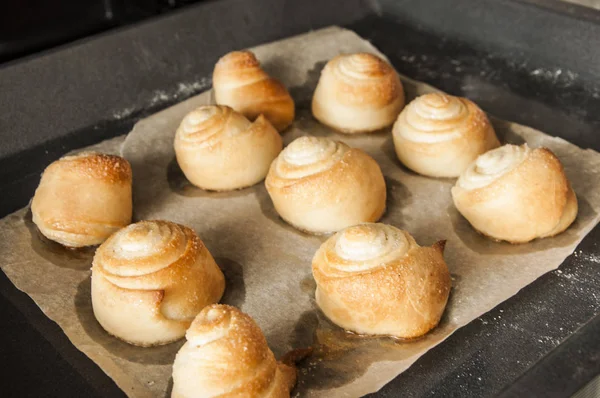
pixel 150 280
pixel 439 135
pixel 358 93
pixel 319 185
pixel 516 194
pixel 83 199
pixel 226 355
pixel 219 149
pixel 375 279
pixel 240 82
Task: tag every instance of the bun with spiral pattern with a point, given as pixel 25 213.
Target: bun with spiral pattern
pixel 319 185
pixel 358 93
pixel 517 194
pixel 439 135
pixel 241 83
pixel 226 355
pixel 219 149
pixel 150 280
pixel 375 279
pixel 84 198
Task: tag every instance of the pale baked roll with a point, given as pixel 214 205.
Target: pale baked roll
pixel 358 93
pixel 219 149
pixel 439 135
pixel 82 199
pixel 517 194
pixel 319 185
pixel 375 279
pixel 241 83
pixel 226 355
pixel 150 280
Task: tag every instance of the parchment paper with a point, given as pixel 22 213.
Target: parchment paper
pixel 267 263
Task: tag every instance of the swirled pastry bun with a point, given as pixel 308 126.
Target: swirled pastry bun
pixel 319 185
pixel 241 83
pixel 226 355
pixel 358 93
pixel 83 199
pixel 375 279
pixel 150 280
pixel 517 194
pixel 439 135
pixel 219 149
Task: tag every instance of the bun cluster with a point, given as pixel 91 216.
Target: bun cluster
pixel 154 282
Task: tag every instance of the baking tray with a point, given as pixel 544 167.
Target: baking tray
pixel 533 62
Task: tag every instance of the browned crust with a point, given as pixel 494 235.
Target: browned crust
pixel 237 60
pixel 386 292
pixel 242 352
pixel 63 208
pixel 257 92
pixel 108 168
pixel 440 245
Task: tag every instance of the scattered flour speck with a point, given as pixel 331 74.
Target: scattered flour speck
pixel 182 91
pixel 159 96
pixel 122 114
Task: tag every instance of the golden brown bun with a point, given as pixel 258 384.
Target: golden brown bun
pixel 150 280
pixel 226 355
pixel 516 194
pixel 83 199
pixel 219 149
pixel 439 135
pixel 375 279
pixel 240 82
pixel 319 185
pixel 358 93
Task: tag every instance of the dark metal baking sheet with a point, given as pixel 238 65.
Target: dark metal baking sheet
pixel 525 61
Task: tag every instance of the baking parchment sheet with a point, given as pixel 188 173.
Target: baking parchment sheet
pixel 267 263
